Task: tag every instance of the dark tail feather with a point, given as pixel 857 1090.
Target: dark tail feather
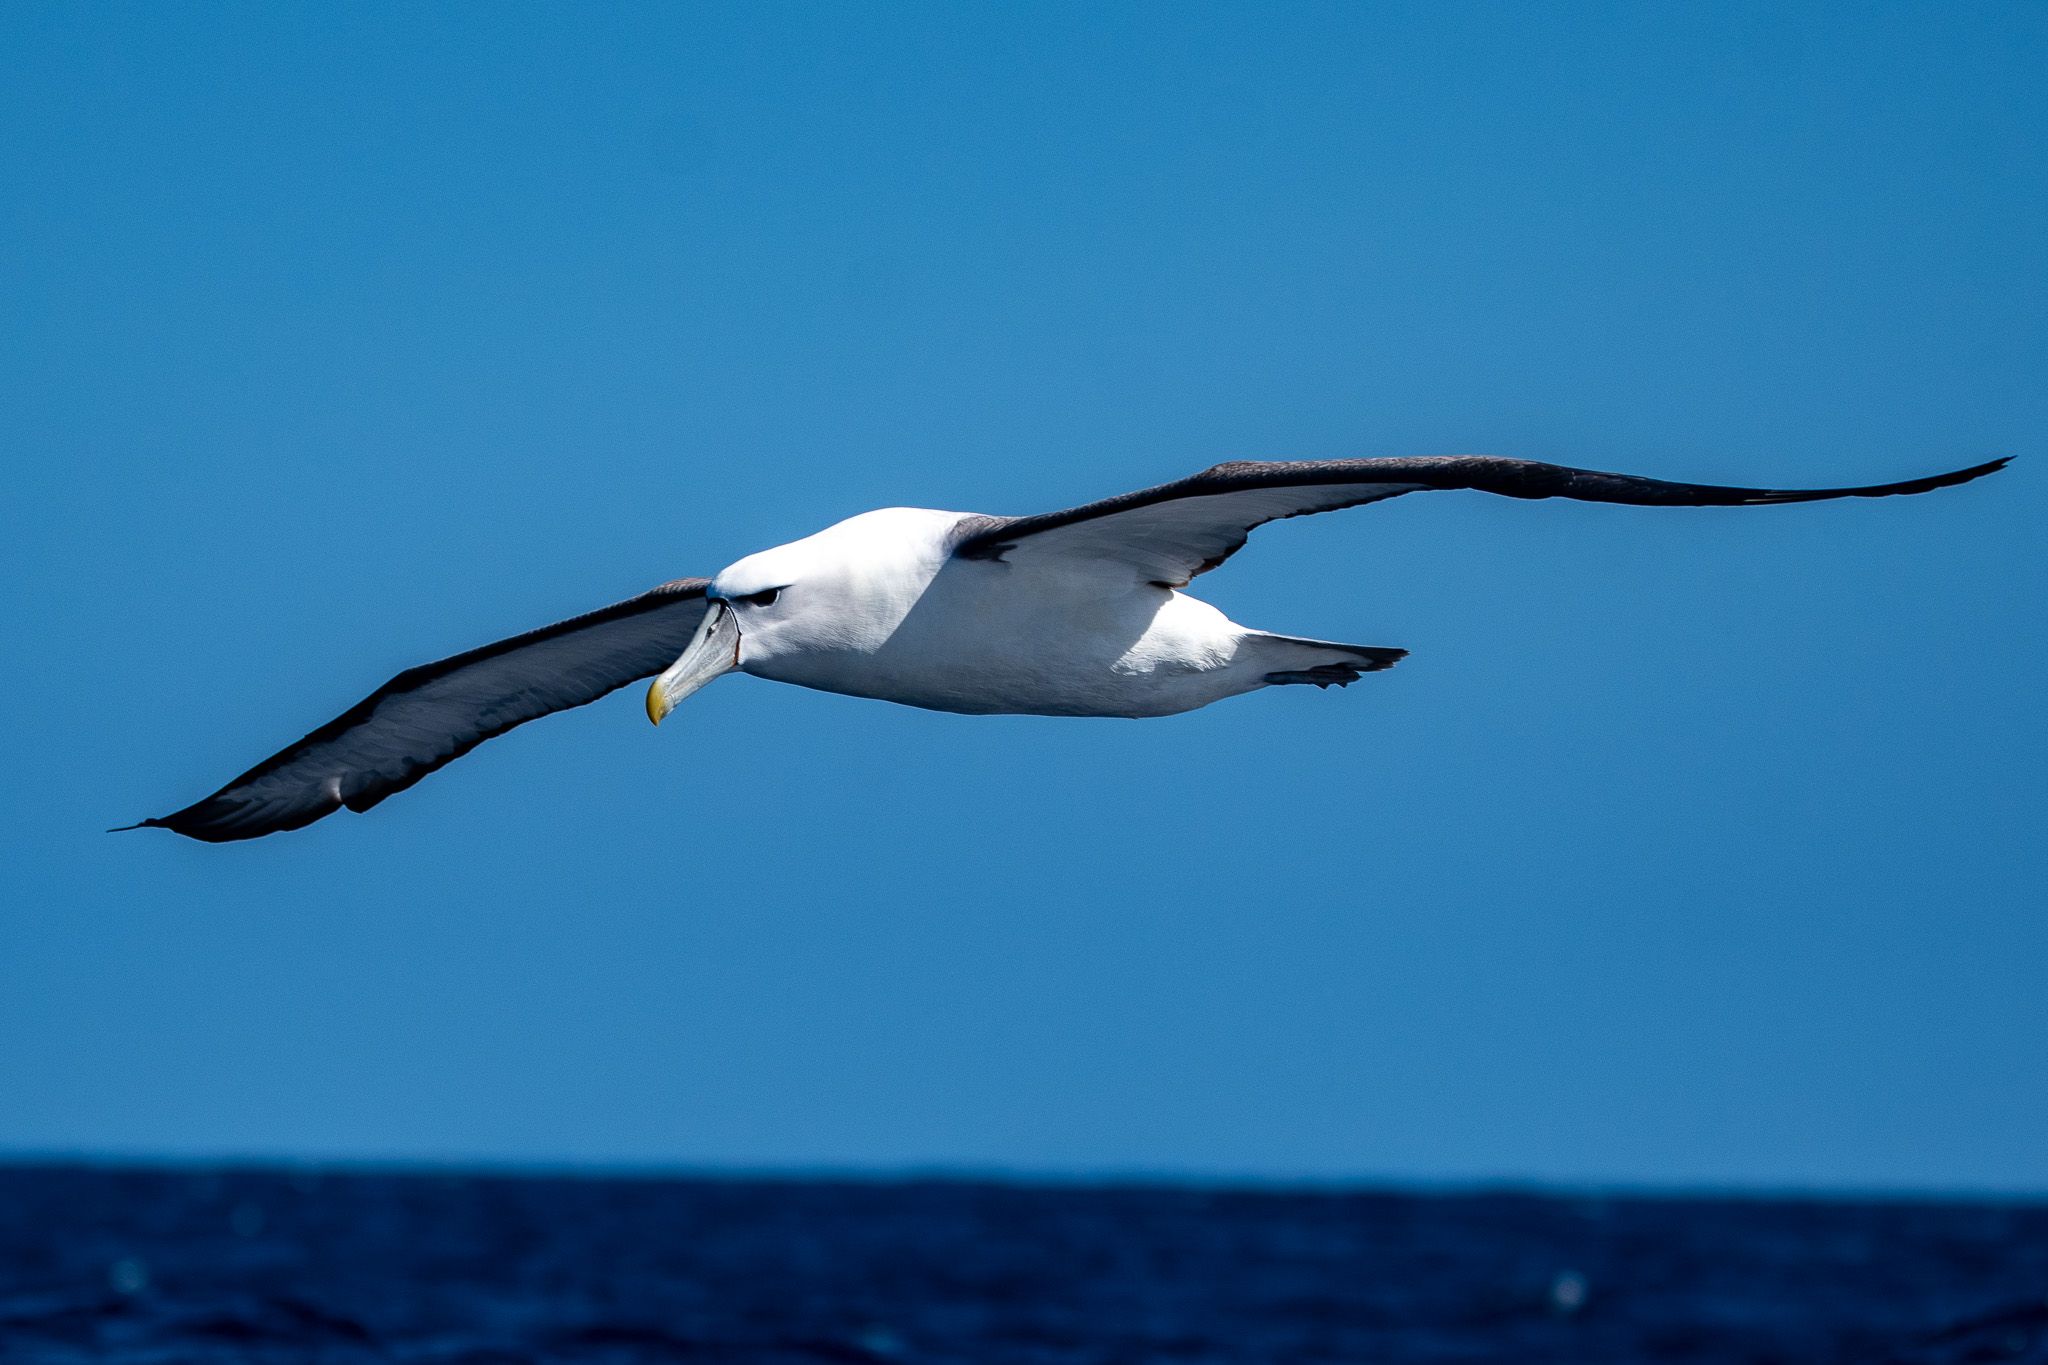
pixel 1337 665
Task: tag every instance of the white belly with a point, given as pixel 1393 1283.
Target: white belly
pixel 987 638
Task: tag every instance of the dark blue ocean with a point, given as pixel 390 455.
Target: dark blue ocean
pixel 165 1266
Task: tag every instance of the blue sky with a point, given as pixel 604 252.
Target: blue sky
pixel 1690 847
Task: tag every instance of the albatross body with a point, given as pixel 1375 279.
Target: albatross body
pixel 1080 612
pixel 881 606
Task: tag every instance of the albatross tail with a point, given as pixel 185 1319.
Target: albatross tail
pixel 1325 663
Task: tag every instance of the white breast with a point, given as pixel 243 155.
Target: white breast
pixel 887 613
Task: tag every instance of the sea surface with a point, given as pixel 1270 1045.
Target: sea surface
pixel 172 1266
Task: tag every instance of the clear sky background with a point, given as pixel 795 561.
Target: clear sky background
pixel 1690 847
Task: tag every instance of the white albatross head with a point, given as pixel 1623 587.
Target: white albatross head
pixel 845 589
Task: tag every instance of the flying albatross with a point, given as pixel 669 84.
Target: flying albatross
pixel 1073 613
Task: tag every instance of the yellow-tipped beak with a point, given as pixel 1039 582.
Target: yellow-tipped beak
pixel 713 651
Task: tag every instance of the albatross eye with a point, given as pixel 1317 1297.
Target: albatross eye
pixel 760 599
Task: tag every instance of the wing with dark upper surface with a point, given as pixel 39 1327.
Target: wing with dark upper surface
pixel 428 715
pixel 1177 530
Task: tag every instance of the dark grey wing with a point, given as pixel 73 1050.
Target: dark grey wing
pixel 1177 530
pixel 428 715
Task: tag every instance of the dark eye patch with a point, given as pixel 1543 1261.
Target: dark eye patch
pixel 760 599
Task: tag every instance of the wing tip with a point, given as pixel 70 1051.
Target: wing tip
pixel 175 824
pixel 215 820
pixel 1975 471
pixel 1925 484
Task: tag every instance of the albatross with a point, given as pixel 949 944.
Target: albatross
pixel 1074 613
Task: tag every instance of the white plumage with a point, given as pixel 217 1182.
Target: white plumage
pixel 879 606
